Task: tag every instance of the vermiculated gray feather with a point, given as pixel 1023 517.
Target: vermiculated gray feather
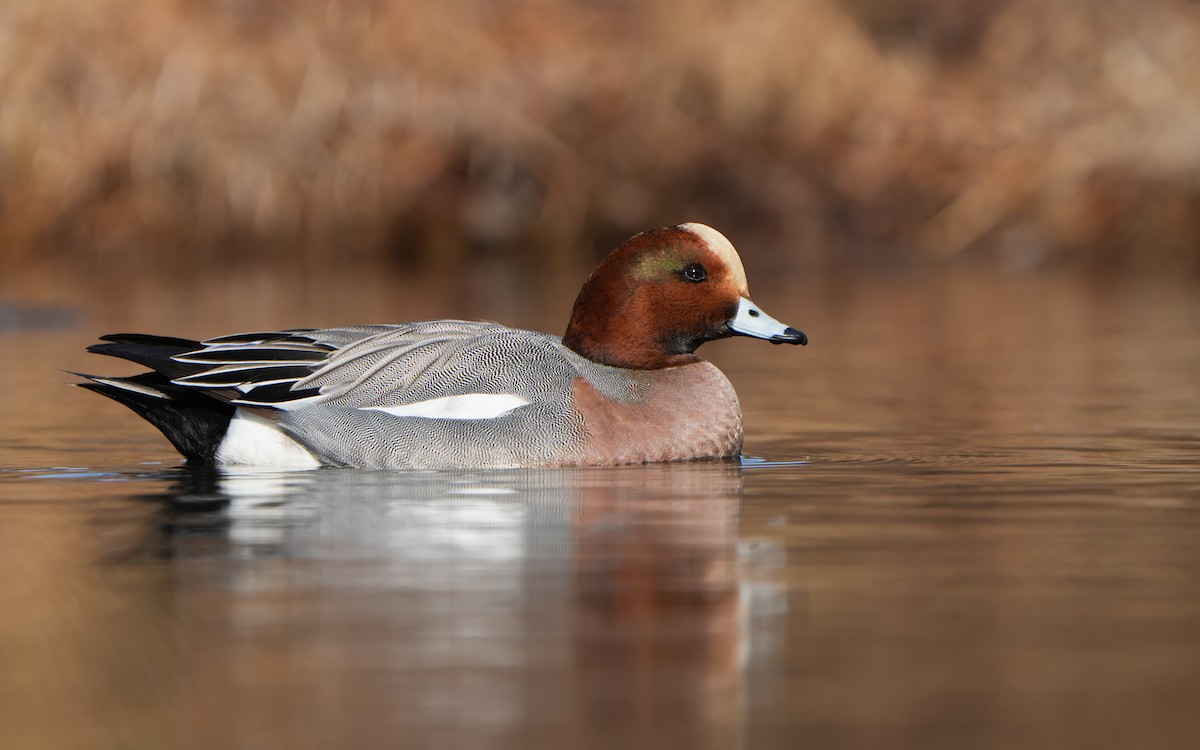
pixel 367 367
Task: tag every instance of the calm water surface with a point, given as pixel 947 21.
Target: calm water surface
pixel 969 518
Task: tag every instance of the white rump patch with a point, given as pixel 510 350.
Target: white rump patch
pixel 724 250
pixel 254 440
pixel 467 406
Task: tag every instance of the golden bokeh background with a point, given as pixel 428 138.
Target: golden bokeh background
pixel 180 135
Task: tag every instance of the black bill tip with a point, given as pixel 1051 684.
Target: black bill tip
pixel 790 336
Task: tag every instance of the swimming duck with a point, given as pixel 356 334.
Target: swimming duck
pixel 623 385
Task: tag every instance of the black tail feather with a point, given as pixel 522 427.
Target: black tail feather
pixel 155 352
pixel 149 339
pixel 193 422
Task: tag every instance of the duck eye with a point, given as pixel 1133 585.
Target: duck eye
pixel 695 272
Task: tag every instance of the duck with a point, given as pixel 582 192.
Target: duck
pixel 622 385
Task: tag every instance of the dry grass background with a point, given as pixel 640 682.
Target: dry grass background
pixel 169 134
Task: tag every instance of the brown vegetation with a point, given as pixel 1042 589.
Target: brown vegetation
pixel 191 132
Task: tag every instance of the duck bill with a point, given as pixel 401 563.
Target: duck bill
pixel 752 321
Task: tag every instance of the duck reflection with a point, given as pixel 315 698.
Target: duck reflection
pixel 551 605
pixel 656 599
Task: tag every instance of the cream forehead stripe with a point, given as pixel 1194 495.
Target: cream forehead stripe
pixel 724 250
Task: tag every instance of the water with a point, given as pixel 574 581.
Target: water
pixel 969 517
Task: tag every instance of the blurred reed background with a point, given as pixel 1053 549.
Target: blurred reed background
pixel 172 135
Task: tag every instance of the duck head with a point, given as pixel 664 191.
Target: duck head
pixel 663 293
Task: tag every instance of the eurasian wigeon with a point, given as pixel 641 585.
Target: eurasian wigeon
pixel 623 385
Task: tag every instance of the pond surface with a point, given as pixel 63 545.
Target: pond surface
pixel 969 516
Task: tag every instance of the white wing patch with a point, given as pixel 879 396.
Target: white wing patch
pixel 466 406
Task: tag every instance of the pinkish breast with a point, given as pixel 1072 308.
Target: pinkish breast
pixel 673 414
